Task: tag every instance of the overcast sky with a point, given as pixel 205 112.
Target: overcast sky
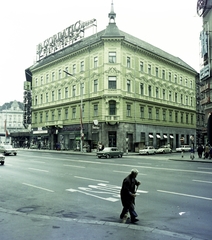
pixel 170 25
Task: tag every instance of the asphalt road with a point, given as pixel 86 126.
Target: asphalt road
pixel 73 196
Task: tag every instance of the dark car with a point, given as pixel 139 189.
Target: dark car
pixel 2 158
pixel 109 152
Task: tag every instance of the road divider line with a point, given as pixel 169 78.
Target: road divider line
pixel 128 172
pixel 185 195
pixel 73 166
pixel 40 170
pixel 45 189
pixel 201 181
pixel 96 180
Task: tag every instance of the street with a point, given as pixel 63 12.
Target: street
pixel 50 195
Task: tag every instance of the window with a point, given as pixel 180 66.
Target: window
pixel 112 57
pixel 186 82
pixel 59 94
pixel 82 88
pixel 141 66
pixel 170 116
pixel 66 69
pixel 41 117
pixel 59 114
pixel 142 112
pixel 95 110
pixel 66 92
pixel 112 108
pixel 95 62
pixel 149 69
pixel 36 118
pixel 192 119
pixel 66 113
pixel 41 80
pixel 128 86
pixel 112 82
pixel 181 117
pixel 157 113
pixel 170 96
pixel 52 96
pixel 164 115
pixel 47 116
pixel 164 94
pixel 73 91
pixel 186 100
pixel 47 78
pixel 181 80
pixel 175 78
pixel 128 62
pixel 53 76
pixel 176 117
pixel 59 74
pixel 150 90
pixel 157 92
pixel 163 74
pixel 36 82
pixel 74 68
pixel 142 89
pixel 74 113
pixel 186 118
pixel 36 100
pixel 170 76
pixel 47 97
pixel 150 113
pixel 176 97
pixel 191 84
pixel 128 110
pixel 181 98
pixel 52 115
pixel 82 66
pixel 191 101
pixel 41 98
pixel 95 87
pixel 156 72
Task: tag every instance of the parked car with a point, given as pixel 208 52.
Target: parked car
pixel 109 152
pixel 164 149
pixel 8 150
pixel 2 158
pixel 147 150
pixel 184 148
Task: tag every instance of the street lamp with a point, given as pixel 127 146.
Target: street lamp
pixel 192 150
pixel 81 104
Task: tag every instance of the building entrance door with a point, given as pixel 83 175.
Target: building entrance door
pixel 112 139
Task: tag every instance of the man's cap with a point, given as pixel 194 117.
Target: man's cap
pixel 135 171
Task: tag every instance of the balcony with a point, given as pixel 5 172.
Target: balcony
pixel 54 123
pixel 112 119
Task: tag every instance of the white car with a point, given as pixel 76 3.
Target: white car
pixel 184 148
pixel 164 149
pixel 147 150
pixel 8 150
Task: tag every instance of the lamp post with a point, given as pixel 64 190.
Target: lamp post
pixel 81 104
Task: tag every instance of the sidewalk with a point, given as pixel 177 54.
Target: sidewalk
pixel 186 158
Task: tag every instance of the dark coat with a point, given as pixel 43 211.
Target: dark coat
pixel 128 188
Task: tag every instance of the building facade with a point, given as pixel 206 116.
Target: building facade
pixel 113 88
pixel 204 10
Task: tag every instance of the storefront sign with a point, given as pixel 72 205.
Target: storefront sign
pixel 63 39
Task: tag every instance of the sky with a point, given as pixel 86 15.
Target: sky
pixel 170 25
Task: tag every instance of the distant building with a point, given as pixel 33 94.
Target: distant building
pixel 110 87
pixel 11 119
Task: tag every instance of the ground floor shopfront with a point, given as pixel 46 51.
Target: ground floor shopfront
pixel 126 136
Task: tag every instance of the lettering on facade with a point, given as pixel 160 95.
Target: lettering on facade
pixel 62 39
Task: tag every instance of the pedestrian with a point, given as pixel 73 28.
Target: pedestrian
pixel 128 194
pixel 206 151
pixel 200 151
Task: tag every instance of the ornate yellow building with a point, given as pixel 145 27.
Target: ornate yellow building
pixel 129 93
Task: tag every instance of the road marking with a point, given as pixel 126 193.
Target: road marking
pixel 73 166
pixel 40 170
pixel 128 172
pixel 185 195
pixel 45 189
pixel 204 168
pixel 96 180
pixel 201 181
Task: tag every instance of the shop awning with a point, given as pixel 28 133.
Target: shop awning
pixel 158 136
pixel 151 136
pixel 165 136
pixel 171 136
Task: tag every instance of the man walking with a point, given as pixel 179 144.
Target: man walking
pixel 128 194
